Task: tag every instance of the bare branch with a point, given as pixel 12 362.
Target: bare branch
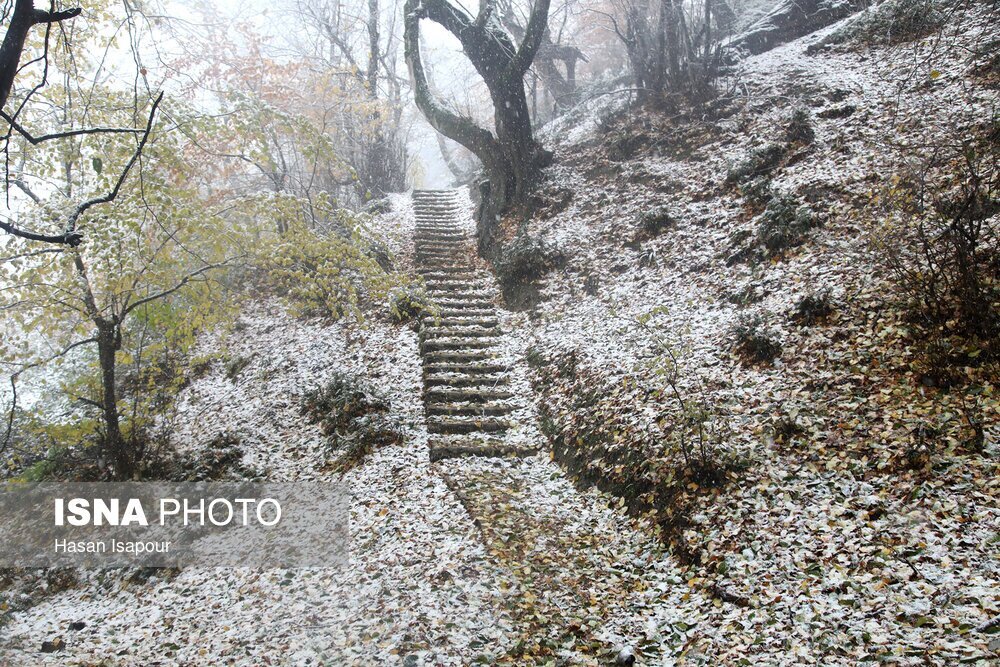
pixel 110 196
pixel 63 135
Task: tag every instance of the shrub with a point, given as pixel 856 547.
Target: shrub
pixel 324 274
pixel 235 366
pixel 813 308
pixel 656 221
pixel 761 161
pixel 524 260
pixel 757 192
pixel 799 129
pixel 756 342
pixel 409 303
pixel 939 237
pixel 353 417
pixel 784 224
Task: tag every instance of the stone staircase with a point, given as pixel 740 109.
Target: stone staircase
pixel 467 396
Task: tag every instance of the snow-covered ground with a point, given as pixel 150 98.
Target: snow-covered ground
pixel 822 555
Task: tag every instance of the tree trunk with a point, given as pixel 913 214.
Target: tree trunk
pixel 511 158
pixel 115 447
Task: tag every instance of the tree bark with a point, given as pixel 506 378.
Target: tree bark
pixel 511 158
pixel 25 17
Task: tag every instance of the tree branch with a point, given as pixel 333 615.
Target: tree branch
pixel 167 292
pixel 63 135
pixel 537 25
pixel 110 196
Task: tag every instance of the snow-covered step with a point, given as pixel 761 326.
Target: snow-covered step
pixel 458 380
pixel 451 284
pixel 448 313
pixel 485 322
pixel 446 448
pixel 474 331
pixel 479 369
pixel 452 356
pixel 436 344
pixel 467 425
pixel 469 409
pixel 479 395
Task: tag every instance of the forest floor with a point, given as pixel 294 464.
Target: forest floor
pixel 818 550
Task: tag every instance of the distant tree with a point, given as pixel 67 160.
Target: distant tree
pixel 510 155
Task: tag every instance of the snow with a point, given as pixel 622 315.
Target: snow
pixel 823 554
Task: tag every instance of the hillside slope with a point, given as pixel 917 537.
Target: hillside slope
pixel 841 502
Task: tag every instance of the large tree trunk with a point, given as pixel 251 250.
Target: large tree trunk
pixel 511 158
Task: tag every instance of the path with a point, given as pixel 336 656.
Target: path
pixel 576 574
pixel 467 395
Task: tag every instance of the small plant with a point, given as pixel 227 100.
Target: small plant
pixel 757 192
pixel 756 342
pixel 760 162
pixel 235 366
pixel 407 304
pixel 813 308
pixel 784 224
pixel 534 358
pixel 656 221
pixel 341 400
pixel 353 417
pixel 800 129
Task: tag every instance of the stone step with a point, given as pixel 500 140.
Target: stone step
pixel 485 446
pixel 440 237
pixel 454 295
pixel 429 332
pixel 446 274
pixel 461 284
pixel 468 409
pixel 436 344
pixel 447 314
pixel 440 258
pixel 468 369
pixel 438 265
pixel 463 305
pixel 448 425
pixel 452 356
pixel 457 380
pixel 474 395
pixel 484 322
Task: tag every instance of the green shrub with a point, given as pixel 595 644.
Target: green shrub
pixel 353 417
pixel 756 342
pixel 800 129
pixel 761 161
pixel 784 224
pixel 235 366
pixel 409 303
pixel 757 191
pixel 656 221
